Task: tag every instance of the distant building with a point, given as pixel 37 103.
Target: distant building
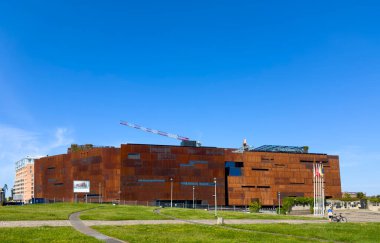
pixel 159 173
pixel 24 180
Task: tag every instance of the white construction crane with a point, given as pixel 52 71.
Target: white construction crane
pixel 184 140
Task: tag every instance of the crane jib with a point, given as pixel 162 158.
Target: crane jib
pixel 182 138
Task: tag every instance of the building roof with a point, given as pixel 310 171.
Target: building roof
pixel 279 148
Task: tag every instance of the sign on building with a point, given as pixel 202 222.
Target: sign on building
pixel 82 186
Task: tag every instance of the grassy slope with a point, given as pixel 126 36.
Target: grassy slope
pixel 186 233
pixel 202 214
pixel 61 211
pixel 142 212
pixel 351 232
pixel 43 234
pixel 346 232
pixel 54 211
pixel 121 213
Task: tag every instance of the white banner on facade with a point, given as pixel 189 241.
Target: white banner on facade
pixel 319 189
pixel 82 186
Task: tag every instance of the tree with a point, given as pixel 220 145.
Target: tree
pixel 346 196
pixel 360 195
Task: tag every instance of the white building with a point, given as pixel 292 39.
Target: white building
pixel 24 179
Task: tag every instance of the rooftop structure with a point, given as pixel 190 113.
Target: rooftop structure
pixel 284 149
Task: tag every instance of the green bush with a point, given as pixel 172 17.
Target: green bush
pixel 282 210
pixel 374 199
pixel 289 202
pixel 254 207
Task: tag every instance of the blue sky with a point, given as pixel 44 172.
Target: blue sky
pixel 274 72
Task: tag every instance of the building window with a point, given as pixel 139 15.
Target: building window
pixel 206 184
pixel 133 156
pixel 194 162
pixel 306 161
pixel 151 180
pixel 234 171
pixel 186 183
pixel 233 168
pixel 260 169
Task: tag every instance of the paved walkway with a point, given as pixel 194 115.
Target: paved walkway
pixel 58 223
pixel 360 215
pixel 81 227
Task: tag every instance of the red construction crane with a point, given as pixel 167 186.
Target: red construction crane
pixel 155 131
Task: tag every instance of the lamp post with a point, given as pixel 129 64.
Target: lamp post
pixel 279 204
pixel 193 197
pixel 215 197
pixel 171 192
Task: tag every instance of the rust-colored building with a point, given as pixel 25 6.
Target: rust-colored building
pixel 157 173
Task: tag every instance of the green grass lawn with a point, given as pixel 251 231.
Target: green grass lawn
pixel 53 211
pixel 43 234
pixel 202 214
pixel 187 233
pixel 121 212
pixel 61 211
pixel 345 232
pixel 350 232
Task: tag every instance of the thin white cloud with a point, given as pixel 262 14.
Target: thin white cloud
pixel 16 143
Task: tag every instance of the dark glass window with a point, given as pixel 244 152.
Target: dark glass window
pixel 206 184
pixel 260 169
pixel 194 162
pixel 233 168
pixel 151 180
pixel 230 164
pixel 235 171
pixel 186 183
pixel 133 156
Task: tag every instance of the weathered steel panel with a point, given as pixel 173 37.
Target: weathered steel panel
pixel 138 172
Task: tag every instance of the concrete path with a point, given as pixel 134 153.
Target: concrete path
pixel 81 227
pixel 55 223
pixel 58 223
pixel 360 215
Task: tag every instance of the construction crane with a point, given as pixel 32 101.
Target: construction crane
pixel 184 140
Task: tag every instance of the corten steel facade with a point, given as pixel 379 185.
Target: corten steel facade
pixel 54 175
pixel 138 172
pixel 264 174
pixel 146 171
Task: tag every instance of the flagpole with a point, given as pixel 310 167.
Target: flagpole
pixel 316 178
pixel 314 188
pixel 323 190
pixel 318 191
